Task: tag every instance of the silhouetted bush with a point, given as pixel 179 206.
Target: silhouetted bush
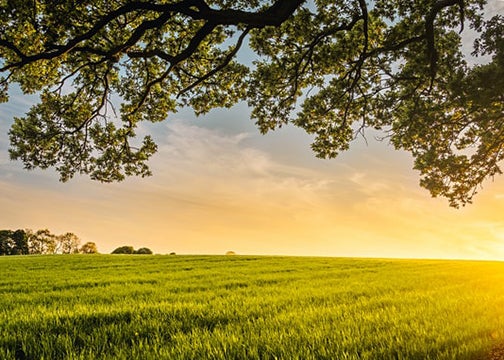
pixel 143 251
pixel 124 250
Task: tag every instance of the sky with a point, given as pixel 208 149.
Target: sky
pixel 219 185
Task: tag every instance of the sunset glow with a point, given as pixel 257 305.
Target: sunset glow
pixel 218 185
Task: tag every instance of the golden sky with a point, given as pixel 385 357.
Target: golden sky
pixel 218 185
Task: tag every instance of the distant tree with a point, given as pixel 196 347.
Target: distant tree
pixel 6 242
pixel 68 243
pixel 42 242
pixel 144 251
pixel 20 240
pixel 124 250
pixel 230 253
pixel 173 253
pixel 89 248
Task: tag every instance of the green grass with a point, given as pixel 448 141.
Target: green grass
pixel 240 307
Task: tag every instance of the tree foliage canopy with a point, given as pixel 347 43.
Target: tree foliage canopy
pixel 124 250
pixel 89 248
pixel 130 250
pixel 143 251
pixel 333 68
pixel 13 242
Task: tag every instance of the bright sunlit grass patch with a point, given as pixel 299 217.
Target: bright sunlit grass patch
pixel 217 307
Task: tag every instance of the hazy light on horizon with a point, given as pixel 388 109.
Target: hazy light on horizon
pixel 214 191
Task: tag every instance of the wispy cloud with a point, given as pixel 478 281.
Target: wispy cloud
pixel 198 159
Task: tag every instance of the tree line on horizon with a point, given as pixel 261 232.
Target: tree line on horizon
pixel 27 241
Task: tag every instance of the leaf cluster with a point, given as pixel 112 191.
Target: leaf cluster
pixel 334 68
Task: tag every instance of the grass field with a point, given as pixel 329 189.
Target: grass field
pixel 241 307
